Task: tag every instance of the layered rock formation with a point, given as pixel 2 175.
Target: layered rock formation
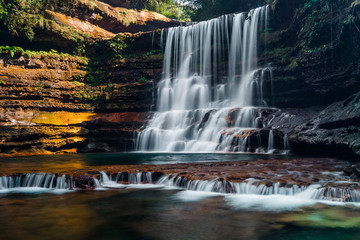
pixel 313 49
pixel 53 103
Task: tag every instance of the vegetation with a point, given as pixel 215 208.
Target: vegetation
pixel 171 9
pixel 206 9
pixel 15 50
pixel 174 9
pixel 117 45
pixel 22 17
pixel 196 10
pixel 143 80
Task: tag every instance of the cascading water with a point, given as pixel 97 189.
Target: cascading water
pixel 249 187
pixel 35 181
pixel 211 93
pixel 271 146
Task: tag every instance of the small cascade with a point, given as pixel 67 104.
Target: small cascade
pixel 211 96
pixel 286 144
pixel 248 187
pixel 152 39
pixel 122 179
pixel 271 146
pixel 41 181
pixel 38 180
pixel 313 192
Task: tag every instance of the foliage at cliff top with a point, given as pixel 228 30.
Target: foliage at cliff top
pixel 196 10
pixel 24 17
pixel 209 9
pixel 74 20
pixel 170 8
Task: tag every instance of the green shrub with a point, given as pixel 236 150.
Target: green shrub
pixel 11 50
pixel 118 45
pixel 143 80
pixel 22 17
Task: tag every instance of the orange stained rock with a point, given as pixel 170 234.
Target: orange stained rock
pixel 82 26
pixel 121 117
pixel 19 72
pixel 62 118
pixel 124 15
pixel 245 133
pixel 229 116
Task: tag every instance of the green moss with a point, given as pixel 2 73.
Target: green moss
pixel 77 83
pixel 143 80
pixel 118 45
pixel 280 53
pixel 18 51
pixel 151 53
pixel 11 50
pixel 349 19
pixel 326 218
pixel 293 64
pixel 356 2
pixel 310 4
pixel 68 32
pixel 285 79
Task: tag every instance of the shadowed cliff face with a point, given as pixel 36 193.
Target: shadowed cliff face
pixel 312 48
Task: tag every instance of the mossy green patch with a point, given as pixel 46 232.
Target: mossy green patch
pixel 15 51
pixel 326 218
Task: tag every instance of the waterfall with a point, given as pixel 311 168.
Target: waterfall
pixel 36 181
pixel 210 97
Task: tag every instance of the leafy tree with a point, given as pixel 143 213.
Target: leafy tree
pixel 21 17
pixel 213 8
pixel 170 8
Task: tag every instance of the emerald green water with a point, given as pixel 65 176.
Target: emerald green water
pixel 155 214
pixel 158 213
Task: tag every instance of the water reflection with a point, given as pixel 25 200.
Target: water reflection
pixel 152 214
pixel 68 163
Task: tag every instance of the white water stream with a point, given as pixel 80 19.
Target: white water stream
pixel 245 195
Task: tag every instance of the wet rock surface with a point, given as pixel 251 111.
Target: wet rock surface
pixel 335 130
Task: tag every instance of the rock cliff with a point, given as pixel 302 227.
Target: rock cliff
pixel 53 102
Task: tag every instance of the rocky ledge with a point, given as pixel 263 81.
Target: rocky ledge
pixel 287 173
